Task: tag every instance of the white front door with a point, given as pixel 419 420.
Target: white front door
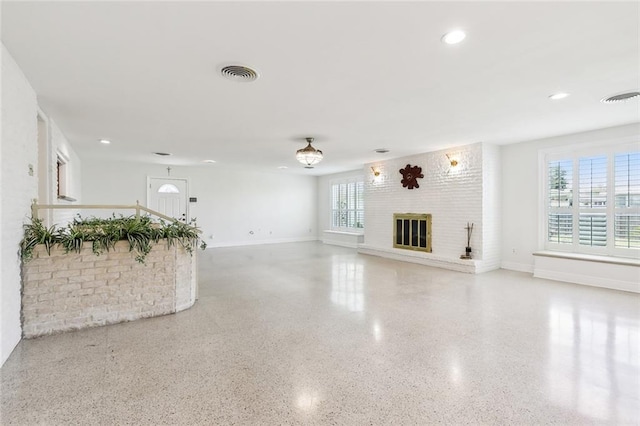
pixel 168 196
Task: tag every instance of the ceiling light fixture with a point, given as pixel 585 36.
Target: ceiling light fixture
pixel 622 97
pixel 453 37
pixel 282 167
pixel 209 161
pixel 104 141
pixel 381 150
pixel 308 155
pixel 558 96
pixel 162 154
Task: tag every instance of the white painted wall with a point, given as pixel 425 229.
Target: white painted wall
pixel 232 202
pixel 18 149
pixel 520 191
pixel 491 207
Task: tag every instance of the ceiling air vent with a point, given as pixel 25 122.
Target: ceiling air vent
pixel 623 97
pixel 239 73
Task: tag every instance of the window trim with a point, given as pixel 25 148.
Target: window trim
pixel 608 148
pixel 346 180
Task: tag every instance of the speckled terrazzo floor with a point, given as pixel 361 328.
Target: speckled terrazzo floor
pixel 313 334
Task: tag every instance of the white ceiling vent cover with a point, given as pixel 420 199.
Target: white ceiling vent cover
pixel 239 73
pixel 622 97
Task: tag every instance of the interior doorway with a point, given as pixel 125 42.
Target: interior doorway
pixel 169 196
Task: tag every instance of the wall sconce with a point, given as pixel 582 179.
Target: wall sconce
pixel 452 161
pixel 377 177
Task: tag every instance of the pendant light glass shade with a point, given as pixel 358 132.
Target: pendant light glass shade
pixel 309 155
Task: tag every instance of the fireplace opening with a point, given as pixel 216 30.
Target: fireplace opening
pixel 412 231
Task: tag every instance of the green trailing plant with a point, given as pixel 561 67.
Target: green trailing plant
pixel 103 234
pixel 36 233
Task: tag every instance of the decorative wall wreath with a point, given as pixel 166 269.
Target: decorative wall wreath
pixel 410 176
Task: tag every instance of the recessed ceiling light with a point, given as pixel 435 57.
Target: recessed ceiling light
pixel 209 161
pixel 282 167
pixel 558 96
pixel 622 97
pixel 453 37
pixel 381 150
pixel 162 154
pixel 104 141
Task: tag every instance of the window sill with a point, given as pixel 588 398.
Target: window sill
pixel 66 198
pixel 329 231
pixel 589 258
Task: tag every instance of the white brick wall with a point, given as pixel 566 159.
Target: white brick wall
pixel 453 196
pixel 18 150
pixel 491 208
pixel 68 291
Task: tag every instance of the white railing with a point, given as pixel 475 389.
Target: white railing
pixel 35 208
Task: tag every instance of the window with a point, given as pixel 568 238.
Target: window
pixel 168 188
pixel 347 204
pixel 61 177
pixel 627 200
pixel 593 201
pixel 560 201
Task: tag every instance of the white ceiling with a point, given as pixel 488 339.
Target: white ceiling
pixel 356 75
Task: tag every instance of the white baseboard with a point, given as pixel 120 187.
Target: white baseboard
pixel 340 243
pixel 516 266
pixel 483 266
pixel 184 306
pixel 589 280
pixel 468 266
pixel 260 242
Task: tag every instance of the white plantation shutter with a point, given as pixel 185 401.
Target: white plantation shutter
pixel 351 204
pixel 359 204
pixel 343 206
pixel 559 202
pixel 593 201
pixel 627 200
pixel 347 204
pixel 560 228
pixel 593 229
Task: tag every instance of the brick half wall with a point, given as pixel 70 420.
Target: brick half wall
pixel 72 291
